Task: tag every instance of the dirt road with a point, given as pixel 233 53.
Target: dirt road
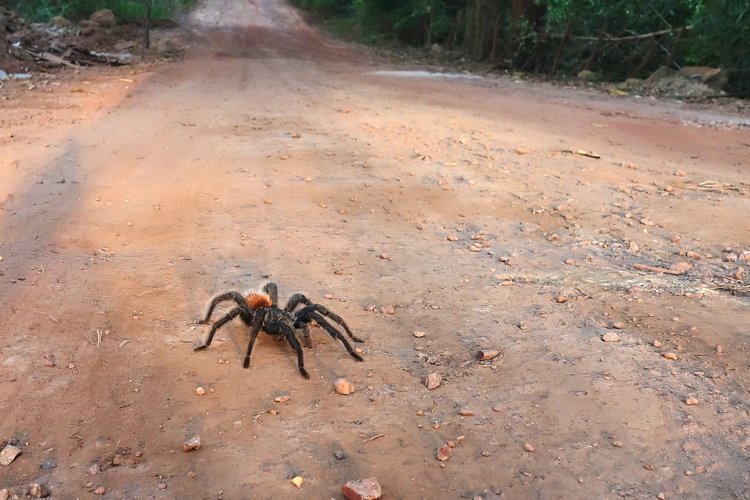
pixel 456 207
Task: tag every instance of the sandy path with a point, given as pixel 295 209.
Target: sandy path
pixel 271 152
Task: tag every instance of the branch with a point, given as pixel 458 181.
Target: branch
pixel 607 38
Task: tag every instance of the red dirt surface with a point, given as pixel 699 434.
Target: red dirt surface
pixel 446 206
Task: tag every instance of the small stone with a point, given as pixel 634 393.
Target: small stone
pixel 669 355
pixel 451 238
pixel 38 490
pixel 689 473
pixel 451 444
pixel 282 398
pixel 661 496
pixel 297 481
pixel 99 490
pixel 362 489
pixel 193 443
pixel 339 455
pixel 569 262
pixel 385 256
pixel 433 381
pixel 272 412
pixel 342 386
pixel 419 335
pixel 93 470
pixel 561 299
pixel 487 354
pixel 731 257
pixel 739 273
pixel 466 413
pixel 388 310
pixel 719 349
pixel 191 474
pixel 444 453
pixel 691 401
pixel 634 247
pixel 48 465
pixel 529 447
pixel 618 444
pixel 161 486
pixel 610 337
pixel 9 454
pixel 4 493
pixel 618 326
pixel 656 343
pixel 200 391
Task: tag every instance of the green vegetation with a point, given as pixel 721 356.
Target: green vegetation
pixel 615 38
pixel 125 10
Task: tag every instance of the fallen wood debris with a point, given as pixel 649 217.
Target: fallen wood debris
pixel 581 152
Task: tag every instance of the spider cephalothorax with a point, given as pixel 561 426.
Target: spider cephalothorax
pixel 260 311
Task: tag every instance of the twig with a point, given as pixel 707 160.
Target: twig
pixel 373 438
pixel 54 320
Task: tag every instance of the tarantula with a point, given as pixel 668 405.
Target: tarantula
pixel 259 311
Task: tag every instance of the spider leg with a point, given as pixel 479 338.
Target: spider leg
pixel 305 314
pixel 306 335
pixel 319 319
pixel 235 296
pixel 288 332
pixel 225 319
pixel 296 300
pixel 257 324
pixel 272 291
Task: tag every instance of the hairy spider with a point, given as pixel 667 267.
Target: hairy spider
pixel 260 311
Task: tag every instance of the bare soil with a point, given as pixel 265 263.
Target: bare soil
pixel 448 206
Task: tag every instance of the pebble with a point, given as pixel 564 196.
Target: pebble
pixel 99 491
pixel 191 474
pixel 433 381
pixel 385 256
pixel 444 453
pixel 48 465
pixel 691 401
pixel 618 444
pixel 161 486
pixel 38 490
pixel 669 355
pixel 342 386
pixel 388 310
pixel 570 262
pixel 618 326
pixel 200 391
pixel 297 481
pixel 656 343
pixel 419 335
pixel 193 443
pixel 282 398
pixel 719 349
pixel 339 455
pixel 661 496
pixel 529 447
pixel 486 355
pixel 4 493
pixel 466 413
pixel 610 337
pixel 9 454
pixel 362 489
pixel 561 299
